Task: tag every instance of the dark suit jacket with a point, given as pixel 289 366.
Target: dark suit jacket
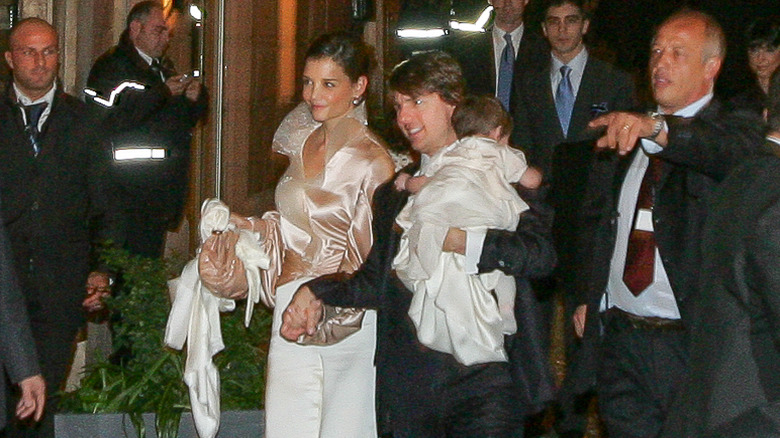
pixel 700 153
pixel 474 52
pixel 153 118
pixel 17 349
pixel 537 129
pixel 734 323
pixel 48 203
pixel 565 160
pixel 404 366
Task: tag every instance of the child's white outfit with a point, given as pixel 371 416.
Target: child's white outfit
pixel 455 312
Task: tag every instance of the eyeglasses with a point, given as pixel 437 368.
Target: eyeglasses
pixel 32 53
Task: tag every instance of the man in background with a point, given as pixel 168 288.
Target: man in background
pixel 153 125
pixel 494 60
pixel 55 182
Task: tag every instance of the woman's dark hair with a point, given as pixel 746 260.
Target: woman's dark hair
pixel 763 32
pixel 429 72
pixel 352 54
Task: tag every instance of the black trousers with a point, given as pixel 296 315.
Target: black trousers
pixel 479 401
pixel 641 370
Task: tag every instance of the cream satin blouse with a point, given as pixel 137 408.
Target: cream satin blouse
pixel 323 223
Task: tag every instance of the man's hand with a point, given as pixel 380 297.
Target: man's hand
pixel 455 241
pixel 192 92
pixel 579 319
pixel 98 287
pixel 302 315
pixel 33 398
pixel 624 129
pixel 178 84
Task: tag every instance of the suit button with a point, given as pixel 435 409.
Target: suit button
pixel 501 263
pixel 34 206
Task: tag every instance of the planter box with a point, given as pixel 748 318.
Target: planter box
pixel 233 424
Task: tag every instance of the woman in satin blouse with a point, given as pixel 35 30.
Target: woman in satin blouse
pixel 322 225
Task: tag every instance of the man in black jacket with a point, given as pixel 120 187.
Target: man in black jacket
pixel 53 182
pixel 17 349
pixel 422 392
pixel 481 54
pixel 733 388
pixel 642 219
pixel 150 129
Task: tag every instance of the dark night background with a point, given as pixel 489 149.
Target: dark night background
pixel 620 30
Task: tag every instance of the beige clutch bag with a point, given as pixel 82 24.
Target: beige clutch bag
pixel 337 324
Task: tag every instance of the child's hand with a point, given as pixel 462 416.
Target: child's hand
pixel 400 181
pixel 416 183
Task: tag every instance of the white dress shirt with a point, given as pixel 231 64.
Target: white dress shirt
pixel 658 299
pixel 499 43
pixel 48 98
pixel 149 60
pixel 577 65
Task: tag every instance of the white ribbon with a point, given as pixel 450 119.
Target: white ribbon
pixel 195 312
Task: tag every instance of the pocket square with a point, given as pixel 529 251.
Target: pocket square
pixel 597 109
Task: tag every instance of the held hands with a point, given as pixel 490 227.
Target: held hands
pixel 33 398
pixel 624 129
pixel 98 287
pixel 302 315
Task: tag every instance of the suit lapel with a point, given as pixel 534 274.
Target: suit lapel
pixel 546 101
pixel 580 115
pixel 49 133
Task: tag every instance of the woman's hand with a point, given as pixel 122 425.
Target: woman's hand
pixel 302 315
pixel 241 222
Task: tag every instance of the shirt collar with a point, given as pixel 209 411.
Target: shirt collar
pixel 48 97
pixel 145 57
pixel 692 109
pixel 517 34
pixel 576 64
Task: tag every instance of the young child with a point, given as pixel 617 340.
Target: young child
pixel 477 116
pixel 466 185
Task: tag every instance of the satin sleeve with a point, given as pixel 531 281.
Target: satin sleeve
pixel 359 236
pixel 272 244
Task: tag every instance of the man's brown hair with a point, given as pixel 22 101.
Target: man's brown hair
pixel 429 72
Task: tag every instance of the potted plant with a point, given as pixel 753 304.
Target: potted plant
pixel 149 378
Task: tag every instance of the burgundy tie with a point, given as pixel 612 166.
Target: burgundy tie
pixel 640 256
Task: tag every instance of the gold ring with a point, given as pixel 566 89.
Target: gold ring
pixel 625 127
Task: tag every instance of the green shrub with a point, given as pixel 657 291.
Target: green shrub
pixel 150 380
